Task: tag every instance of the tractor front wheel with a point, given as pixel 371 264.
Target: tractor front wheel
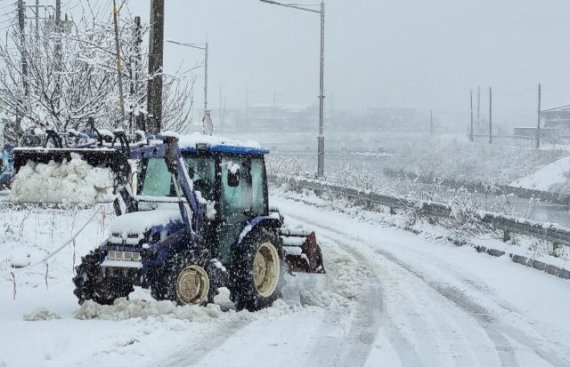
pixel 185 279
pixel 90 285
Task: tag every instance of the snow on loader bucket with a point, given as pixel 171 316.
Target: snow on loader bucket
pixel 105 153
pixel 302 252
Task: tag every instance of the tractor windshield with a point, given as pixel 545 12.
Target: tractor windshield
pixel 157 180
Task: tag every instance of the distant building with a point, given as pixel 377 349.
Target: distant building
pixel 556 118
pixel 554 125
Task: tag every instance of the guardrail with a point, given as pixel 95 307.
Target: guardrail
pixel 548 232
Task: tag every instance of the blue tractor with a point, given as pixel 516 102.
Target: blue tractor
pixel 200 220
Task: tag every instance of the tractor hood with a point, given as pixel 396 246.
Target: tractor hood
pixel 131 228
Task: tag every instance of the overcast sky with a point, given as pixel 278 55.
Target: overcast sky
pixel 379 53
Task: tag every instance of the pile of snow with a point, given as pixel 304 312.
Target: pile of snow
pixel 554 174
pixel 124 309
pixel 73 182
pixel 41 314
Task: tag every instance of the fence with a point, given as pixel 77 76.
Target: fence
pixel 547 232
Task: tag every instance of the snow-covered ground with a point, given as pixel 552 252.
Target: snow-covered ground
pixel 389 298
pixel 552 177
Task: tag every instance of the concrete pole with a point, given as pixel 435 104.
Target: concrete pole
pixel 206 56
pixel 471 129
pixel 155 65
pixel 321 137
pixel 490 115
pixel 119 63
pixel 539 116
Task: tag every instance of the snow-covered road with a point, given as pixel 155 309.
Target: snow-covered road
pixel 389 298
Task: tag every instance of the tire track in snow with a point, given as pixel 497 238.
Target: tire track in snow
pixel 194 353
pixel 364 320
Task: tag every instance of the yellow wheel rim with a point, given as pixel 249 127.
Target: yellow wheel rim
pixel 266 269
pixel 192 285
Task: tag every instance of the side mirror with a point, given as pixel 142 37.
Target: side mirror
pixel 233 176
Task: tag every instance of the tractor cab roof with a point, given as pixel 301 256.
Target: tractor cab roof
pixel 196 143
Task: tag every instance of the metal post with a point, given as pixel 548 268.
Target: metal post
pixel 321 137
pixel 155 64
pixel 206 56
pixel 471 130
pixel 119 63
pixel 539 116
pixel 479 107
pixel 490 115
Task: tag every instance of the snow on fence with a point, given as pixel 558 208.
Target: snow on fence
pixel 544 231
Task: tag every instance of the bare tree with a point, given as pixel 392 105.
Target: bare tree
pixel 65 91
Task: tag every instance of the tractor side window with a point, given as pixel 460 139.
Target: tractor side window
pixel 236 195
pixel 157 179
pixel 258 186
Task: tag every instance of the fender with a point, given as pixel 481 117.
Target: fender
pixel 268 221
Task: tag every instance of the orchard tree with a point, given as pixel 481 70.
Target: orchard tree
pixel 60 77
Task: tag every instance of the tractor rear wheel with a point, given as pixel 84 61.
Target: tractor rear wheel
pixel 90 285
pixel 257 271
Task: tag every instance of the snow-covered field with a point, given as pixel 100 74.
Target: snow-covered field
pixel 389 298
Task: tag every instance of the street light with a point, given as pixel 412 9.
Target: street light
pixel 321 136
pixel 205 49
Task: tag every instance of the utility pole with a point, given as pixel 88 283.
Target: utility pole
pixel 246 114
pixel 37 19
pixel 321 136
pixel 539 116
pixel 274 117
pixel 21 26
pixel 490 115
pixel 431 122
pixel 206 57
pixel 479 107
pixel 471 130
pixel 58 51
pixel 138 121
pixel 119 63
pixel 221 102
pixel 155 65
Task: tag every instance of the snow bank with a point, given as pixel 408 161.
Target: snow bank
pixel 41 314
pixel 73 182
pixel 543 179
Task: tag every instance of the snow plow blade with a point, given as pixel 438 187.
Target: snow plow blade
pixel 302 252
pixel 96 157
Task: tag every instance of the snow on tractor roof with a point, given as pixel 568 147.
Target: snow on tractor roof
pixel 216 144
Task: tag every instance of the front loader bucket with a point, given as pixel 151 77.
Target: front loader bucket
pixel 101 157
pixel 302 252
